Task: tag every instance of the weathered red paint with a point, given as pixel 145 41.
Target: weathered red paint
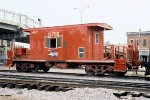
pixel 73 37
pixel 120 65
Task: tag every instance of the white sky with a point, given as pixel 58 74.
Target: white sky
pixel 123 15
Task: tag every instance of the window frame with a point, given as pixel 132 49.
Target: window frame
pixel 61 42
pixel 49 39
pixel 81 52
pixel 96 34
pixel 144 42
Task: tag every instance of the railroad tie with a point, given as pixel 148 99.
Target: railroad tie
pixel 3 85
pixel 31 86
pixel 11 85
pixel 41 87
pixel 64 89
pixel 51 88
pixel 21 86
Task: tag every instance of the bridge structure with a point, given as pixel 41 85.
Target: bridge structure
pixel 12 24
pixel 11 29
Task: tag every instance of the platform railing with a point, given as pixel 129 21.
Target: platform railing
pixel 115 52
pixel 17 18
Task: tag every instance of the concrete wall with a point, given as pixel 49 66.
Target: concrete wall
pixel 3 51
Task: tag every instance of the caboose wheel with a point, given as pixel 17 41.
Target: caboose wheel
pixel 89 70
pixel 24 67
pixel 72 65
pixel 34 68
pixel 46 69
pixel 18 67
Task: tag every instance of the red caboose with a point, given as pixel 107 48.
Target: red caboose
pixel 72 46
pixel 64 46
pixel 73 42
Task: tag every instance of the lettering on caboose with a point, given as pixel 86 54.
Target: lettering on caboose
pixel 53 34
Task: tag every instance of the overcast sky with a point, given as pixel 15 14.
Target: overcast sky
pixel 123 15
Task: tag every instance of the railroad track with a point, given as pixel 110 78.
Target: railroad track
pixel 41 72
pixel 48 82
pixel 126 77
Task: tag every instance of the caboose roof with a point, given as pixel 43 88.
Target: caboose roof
pixel 100 25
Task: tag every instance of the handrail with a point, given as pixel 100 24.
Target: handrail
pixel 18 18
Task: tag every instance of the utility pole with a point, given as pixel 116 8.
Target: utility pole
pixel 139 42
pixel 81 12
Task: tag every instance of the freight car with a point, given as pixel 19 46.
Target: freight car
pixel 74 46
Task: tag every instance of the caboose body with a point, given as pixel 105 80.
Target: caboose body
pixel 74 42
pixel 71 46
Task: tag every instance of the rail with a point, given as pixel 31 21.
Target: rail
pixel 77 82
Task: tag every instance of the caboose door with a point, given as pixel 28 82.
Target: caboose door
pixel 97 44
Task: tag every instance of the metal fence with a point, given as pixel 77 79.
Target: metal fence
pixel 19 19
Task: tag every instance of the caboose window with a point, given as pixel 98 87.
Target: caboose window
pixel 96 38
pixel 53 42
pixel 59 42
pixel 81 52
pixel 47 42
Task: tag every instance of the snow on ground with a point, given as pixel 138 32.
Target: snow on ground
pixel 76 94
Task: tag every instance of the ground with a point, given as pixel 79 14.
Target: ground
pixel 75 94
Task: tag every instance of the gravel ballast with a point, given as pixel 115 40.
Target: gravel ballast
pixel 76 94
